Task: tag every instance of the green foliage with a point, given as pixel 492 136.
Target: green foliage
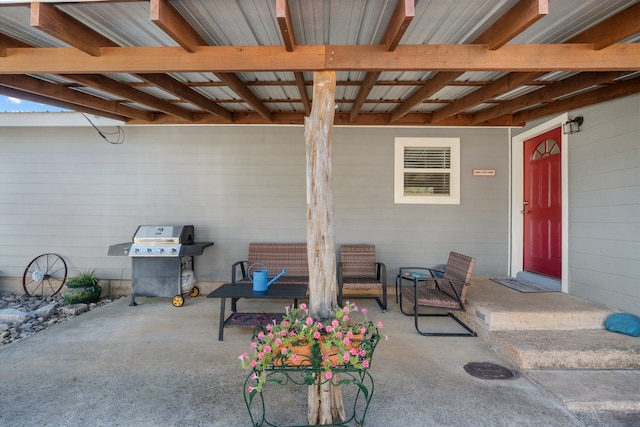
pixel 88 276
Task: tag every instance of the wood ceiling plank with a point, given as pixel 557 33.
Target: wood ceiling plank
pixel 173 86
pixel 126 92
pixel 613 30
pixel 517 19
pixel 49 19
pixel 171 22
pixel 62 93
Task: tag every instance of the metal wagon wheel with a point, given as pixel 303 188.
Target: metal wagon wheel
pixel 45 275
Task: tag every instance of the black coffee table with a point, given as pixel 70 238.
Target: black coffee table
pixel 236 291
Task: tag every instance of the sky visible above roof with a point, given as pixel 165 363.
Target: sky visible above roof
pixel 9 104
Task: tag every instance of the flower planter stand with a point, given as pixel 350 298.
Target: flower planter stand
pixel 358 380
pixel 308 371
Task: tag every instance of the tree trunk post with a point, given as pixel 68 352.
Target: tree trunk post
pixel 324 401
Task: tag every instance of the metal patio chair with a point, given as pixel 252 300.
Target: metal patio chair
pixel 358 270
pixel 429 291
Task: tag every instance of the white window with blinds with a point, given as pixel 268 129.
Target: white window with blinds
pixel 427 170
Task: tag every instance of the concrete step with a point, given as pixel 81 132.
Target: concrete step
pixel 579 349
pixel 547 330
pixel 617 390
pixel 499 308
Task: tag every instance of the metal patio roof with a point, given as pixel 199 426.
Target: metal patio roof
pixel 397 62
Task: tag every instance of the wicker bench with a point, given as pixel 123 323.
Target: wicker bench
pixel 276 256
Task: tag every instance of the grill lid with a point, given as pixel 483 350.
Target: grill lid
pixel 164 235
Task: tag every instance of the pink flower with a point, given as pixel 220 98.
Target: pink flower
pixel 285 323
pixel 294 357
pixel 380 325
pixel 260 355
pixel 244 356
pixel 309 321
pixel 283 333
pixel 364 311
pixel 253 345
pixel 328 375
pixel 260 335
pixel 329 329
pixel 303 306
pixel 365 364
pixel 267 349
pixel 349 334
pixel 346 341
pixel 339 334
pixel 316 334
pixel 278 341
pixel 283 351
pixel 269 326
pixel 345 318
pixel 346 357
pixel 253 363
pixel 249 389
pixel 363 330
pixel 335 323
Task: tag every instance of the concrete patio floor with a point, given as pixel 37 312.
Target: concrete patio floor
pixel 157 365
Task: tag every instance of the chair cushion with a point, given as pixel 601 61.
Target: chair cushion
pixel 361 283
pixel 428 297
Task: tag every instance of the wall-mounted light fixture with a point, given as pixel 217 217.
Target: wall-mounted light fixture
pixel 572 125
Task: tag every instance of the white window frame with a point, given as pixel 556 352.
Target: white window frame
pixel 453 198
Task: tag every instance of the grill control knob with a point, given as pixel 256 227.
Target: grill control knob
pixel 161 251
pixel 149 250
pixel 136 251
pixel 174 251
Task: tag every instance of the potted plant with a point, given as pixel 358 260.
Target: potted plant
pixel 82 288
pixel 343 341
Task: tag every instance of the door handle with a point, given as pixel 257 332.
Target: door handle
pixel 524 211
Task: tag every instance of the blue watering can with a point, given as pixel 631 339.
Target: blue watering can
pixel 258 275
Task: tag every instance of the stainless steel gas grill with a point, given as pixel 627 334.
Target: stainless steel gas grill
pixel 162 257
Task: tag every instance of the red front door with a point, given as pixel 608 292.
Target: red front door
pixel 542 204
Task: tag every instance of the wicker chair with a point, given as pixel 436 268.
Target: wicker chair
pixel 358 270
pixel 433 289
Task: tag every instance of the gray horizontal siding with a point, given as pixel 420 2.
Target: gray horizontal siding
pixel 604 201
pixel 65 190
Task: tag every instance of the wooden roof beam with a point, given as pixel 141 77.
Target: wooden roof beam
pixel 547 94
pixel 233 59
pixel 613 91
pixel 6 41
pixel 431 86
pixel 27 96
pixel 517 19
pixel 484 94
pixel 173 86
pixel 171 22
pixel 283 16
pixel 62 93
pixel 520 17
pixel 613 30
pixel 235 84
pixel 49 19
pixel 402 17
pixel 125 91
